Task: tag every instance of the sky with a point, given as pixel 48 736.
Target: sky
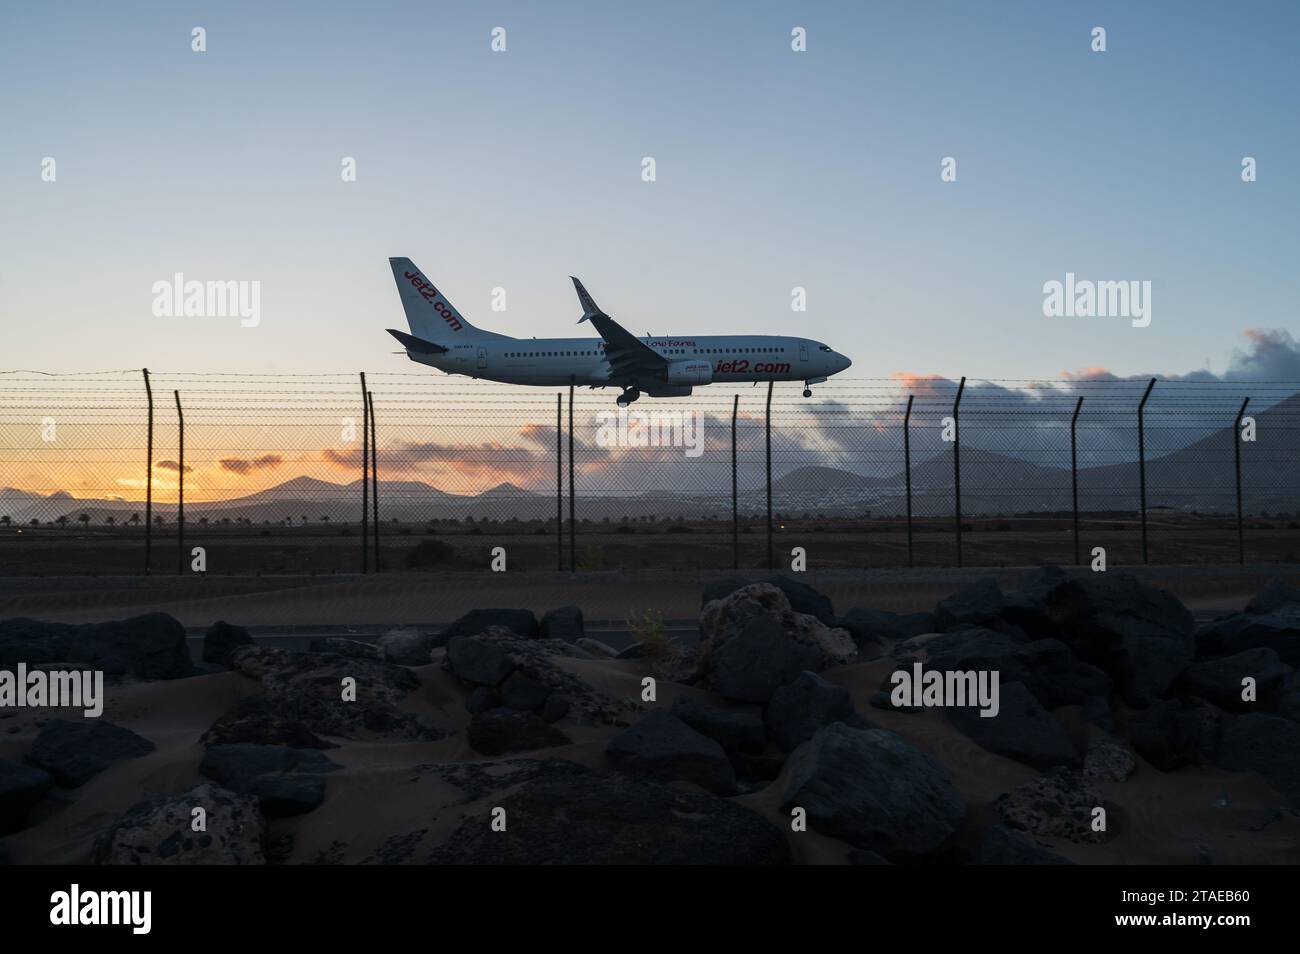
pixel 774 169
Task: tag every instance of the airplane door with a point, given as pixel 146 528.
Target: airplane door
pixel 803 352
pixel 482 358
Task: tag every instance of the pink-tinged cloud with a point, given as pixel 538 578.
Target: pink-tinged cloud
pixel 244 467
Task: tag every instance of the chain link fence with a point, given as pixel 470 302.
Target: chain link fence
pixel 123 472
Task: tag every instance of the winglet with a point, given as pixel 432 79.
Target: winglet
pixel 589 307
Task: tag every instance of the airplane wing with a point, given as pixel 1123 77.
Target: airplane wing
pixel 630 358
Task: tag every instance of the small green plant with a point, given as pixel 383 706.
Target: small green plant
pixel 648 628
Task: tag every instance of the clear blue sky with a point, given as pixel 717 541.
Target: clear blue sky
pixel 775 169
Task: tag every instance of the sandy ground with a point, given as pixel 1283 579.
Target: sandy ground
pixel 387 794
pixel 439 597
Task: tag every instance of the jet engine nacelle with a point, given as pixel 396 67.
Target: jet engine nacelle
pixel 690 372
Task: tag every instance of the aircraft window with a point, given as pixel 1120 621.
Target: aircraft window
pixel 824 348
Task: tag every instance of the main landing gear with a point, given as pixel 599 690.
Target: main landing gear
pixel 628 396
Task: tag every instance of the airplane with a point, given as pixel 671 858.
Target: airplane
pixel 657 366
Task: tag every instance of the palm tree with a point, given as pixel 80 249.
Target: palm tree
pixel 135 519
pixel 85 519
pixel 62 521
pixel 5 521
pixel 109 520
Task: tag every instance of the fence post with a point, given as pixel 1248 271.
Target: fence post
pixel 573 529
pixel 735 507
pixel 956 461
pixel 148 481
pixel 559 482
pixel 907 471
pixel 771 559
pixel 365 478
pixel 180 489
pixel 1236 453
pixel 374 474
pixel 1142 463
pixel 1074 473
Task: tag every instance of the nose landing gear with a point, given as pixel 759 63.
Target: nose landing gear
pixel 807 392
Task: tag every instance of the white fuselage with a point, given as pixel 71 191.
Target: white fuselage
pixel 560 361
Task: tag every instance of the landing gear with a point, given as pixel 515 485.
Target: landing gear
pixel 628 396
pixel 807 392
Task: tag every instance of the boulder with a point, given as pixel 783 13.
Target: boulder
pixel 221 640
pixel 1265 744
pixel 1220 680
pixel 1173 733
pixel 564 622
pixel 482 699
pixel 21 787
pixel 752 665
pixel 351 648
pixel 1108 761
pixel 875 632
pixel 285 781
pixel 504 731
pixel 801 597
pixel 524 693
pixel 565 815
pixel 1278 631
pixel 159 831
pixel 255 720
pixel 406 646
pixel 873 790
pixel 151 646
pixel 737 730
pixel 664 748
pixel 1277 595
pixel 1058 804
pixel 977 604
pixel 798 710
pixel 1002 846
pixel 75 752
pixel 556 707
pixel 1022 729
pixel 521 622
pixel 477 662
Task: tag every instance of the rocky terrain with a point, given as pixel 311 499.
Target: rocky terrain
pixel 1124 733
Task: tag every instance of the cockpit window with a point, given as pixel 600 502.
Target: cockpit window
pixel 824 348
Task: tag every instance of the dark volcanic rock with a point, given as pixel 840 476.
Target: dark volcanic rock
pixel 1278 631
pixel 579 817
pixel 1277 595
pixel 564 622
pixel 1057 804
pixel 557 706
pixel 75 752
pixel 21 787
pixel 159 831
pixel 521 622
pixel 1265 744
pixel 1002 846
pixel 286 781
pixel 803 598
pixel 736 730
pixel 978 604
pixel 308 688
pixel 799 709
pixel 523 692
pixel 147 647
pixel 254 720
pixel 221 640
pixel 1220 680
pixel 351 648
pixel 1171 734
pixel 872 789
pixel 664 748
pixel 1022 730
pixel 482 699
pixel 503 731
pixel 751 666
pixel 406 646
pixel 477 662
pixel 876 631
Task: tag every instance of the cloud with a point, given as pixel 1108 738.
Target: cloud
pixel 244 467
pixel 173 466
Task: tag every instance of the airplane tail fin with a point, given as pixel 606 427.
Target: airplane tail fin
pixel 431 316
pixel 589 307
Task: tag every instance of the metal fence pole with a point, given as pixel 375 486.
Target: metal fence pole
pixel 956 461
pixel 180 488
pixel 1236 453
pixel 771 557
pixel 573 529
pixel 559 482
pixel 1142 463
pixel 735 506
pixel 374 474
pixel 1074 473
pixel 907 471
pixel 148 481
pixel 365 478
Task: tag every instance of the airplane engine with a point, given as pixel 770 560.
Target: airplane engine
pixel 690 372
pixel 668 390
